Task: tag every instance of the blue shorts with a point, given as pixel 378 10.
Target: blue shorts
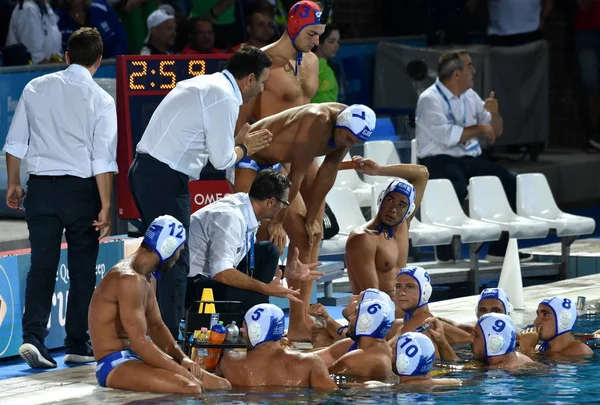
pixel 108 363
pixel 247 163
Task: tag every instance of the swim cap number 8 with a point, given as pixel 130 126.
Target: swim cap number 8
pixel 566 303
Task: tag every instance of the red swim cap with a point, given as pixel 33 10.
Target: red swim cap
pixel 301 15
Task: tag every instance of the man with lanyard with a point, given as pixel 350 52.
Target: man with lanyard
pixel 193 123
pixel 224 255
pixel 449 117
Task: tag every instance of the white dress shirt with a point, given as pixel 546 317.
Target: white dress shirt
pixel 510 17
pixel 39 33
pixel 440 124
pixel 221 234
pixel 195 122
pixel 65 124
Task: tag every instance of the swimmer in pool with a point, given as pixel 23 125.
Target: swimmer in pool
pixel 493 342
pixel 133 347
pixel 371 316
pixel 554 327
pixel 267 362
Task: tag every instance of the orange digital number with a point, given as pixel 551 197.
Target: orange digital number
pixel 167 74
pixel 133 75
pixel 193 67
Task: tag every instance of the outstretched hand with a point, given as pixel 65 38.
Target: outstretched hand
pixel 276 289
pixel 296 270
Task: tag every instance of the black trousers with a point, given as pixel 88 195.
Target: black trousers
pixel 266 259
pixel 159 190
pixel 459 171
pixel 53 204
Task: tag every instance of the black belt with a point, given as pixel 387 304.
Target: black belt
pixel 62 177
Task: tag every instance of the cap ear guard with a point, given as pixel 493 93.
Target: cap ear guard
pixel 404 188
pixel 565 313
pixel 423 280
pixel 499 334
pixel 264 323
pixel 165 235
pixel 374 318
pixel 415 355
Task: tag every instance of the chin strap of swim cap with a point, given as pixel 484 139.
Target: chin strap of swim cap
pixel 423 281
pixel 565 315
pixel 403 187
pixel 301 15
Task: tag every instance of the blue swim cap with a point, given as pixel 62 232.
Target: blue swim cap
pixel 358 119
pixel 497 293
pixel 165 235
pixel 499 334
pixel 264 323
pixel 423 281
pixel 415 354
pixel 374 318
pixel 565 313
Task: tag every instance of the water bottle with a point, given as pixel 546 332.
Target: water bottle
pixel 217 336
pixel 233 333
pixel 201 352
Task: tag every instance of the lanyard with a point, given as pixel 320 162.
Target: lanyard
pixel 452 117
pixel 229 80
pixel 250 252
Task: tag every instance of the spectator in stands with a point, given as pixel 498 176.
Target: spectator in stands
pixel 222 14
pixel 65 127
pixel 74 14
pixel 161 34
pixel 449 118
pixel 34 24
pixel 587 45
pixel 201 37
pixel 260 29
pixel 516 22
pixel 134 16
pixel 329 83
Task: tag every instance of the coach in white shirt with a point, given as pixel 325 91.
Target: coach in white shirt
pixel 449 117
pixel 65 127
pixel 222 246
pixel 194 123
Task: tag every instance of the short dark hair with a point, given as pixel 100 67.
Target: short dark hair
pixel 191 24
pixel 85 46
pixel 248 59
pixel 449 62
pixel 329 28
pixel 269 183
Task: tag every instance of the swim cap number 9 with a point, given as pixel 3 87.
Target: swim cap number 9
pixel 499 325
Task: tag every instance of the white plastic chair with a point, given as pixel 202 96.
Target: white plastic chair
pixel 535 201
pixel 413 152
pixel 350 179
pixel 440 207
pixel 345 208
pixel 488 203
pixel 384 153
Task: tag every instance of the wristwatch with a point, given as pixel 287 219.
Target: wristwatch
pixel 244 149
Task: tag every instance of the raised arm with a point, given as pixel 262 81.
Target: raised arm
pixel 360 260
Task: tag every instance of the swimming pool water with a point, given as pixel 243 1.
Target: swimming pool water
pixel 558 382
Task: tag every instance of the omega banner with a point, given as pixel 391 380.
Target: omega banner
pixel 13 274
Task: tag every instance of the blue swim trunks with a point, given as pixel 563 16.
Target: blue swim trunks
pixel 108 363
pixel 247 163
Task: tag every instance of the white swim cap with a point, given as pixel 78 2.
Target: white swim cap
pixel 499 334
pixel 403 187
pixel 415 354
pixel 374 318
pixel 358 119
pixel 565 313
pixel 375 294
pixel 165 235
pixel 423 281
pixel 500 295
pixel 264 323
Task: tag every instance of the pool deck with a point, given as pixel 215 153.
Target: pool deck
pixel 78 385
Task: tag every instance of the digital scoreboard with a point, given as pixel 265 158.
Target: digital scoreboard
pixel 142 82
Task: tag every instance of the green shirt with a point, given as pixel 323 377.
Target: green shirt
pixel 136 27
pixel 328 86
pixel 202 7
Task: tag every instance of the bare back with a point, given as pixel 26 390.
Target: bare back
pixel 373 260
pixel 106 330
pixel 274 366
